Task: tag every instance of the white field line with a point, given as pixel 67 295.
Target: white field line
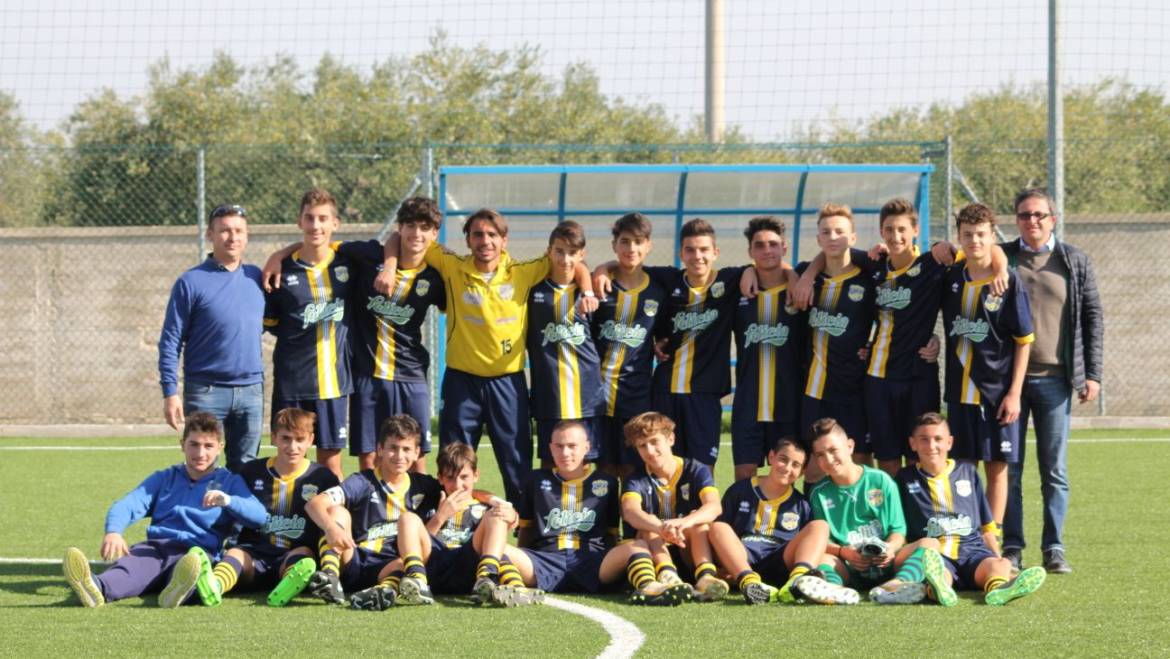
pixel 172 447
pixel 624 637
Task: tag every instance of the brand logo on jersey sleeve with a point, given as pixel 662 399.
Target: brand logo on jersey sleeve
pixel 993 303
pixel 914 487
pixel 342 273
pixel 973 330
pixel 875 497
pixel 258 485
pixel 650 307
pixel 574 334
pixel 834 324
pixel 744 507
pixel 856 292
pixel 308 491
pixel 538 296
pixel 789 521
pixel 717 289
pixel 545 486
pixel 422 287
pixel 600 488
pixel 963 488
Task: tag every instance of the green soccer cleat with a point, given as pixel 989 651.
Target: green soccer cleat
pixel 658 594
pixel 293 582
pixel 378 598
pixel 936 578
pixel 79 577
pixel 327 586
pixel 513 596
pixel 787 594
pixel 207 585
pixel 759 593
pixel 184 576
pixel 1024 583
pixel 710 588
pixel 414 592
pixel 898 592
pixel 811 587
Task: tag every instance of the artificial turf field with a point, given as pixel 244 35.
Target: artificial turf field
pixel 1116 602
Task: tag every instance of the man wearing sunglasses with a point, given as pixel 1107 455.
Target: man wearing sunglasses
pixel 215 319
pixel 1066 358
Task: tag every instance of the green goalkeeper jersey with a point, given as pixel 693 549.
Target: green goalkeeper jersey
pixel 869 509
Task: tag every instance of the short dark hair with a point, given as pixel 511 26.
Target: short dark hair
pixel 764 223
pixel 419 210
pixel 928 419
pixel 399 426
pixel 788 440
pixel 975 214
pixel 490 216
pixel 696 227
pixel 203 423
pixel 569 231
pixel 822 427
pixel 565 424
pixel 897 208
pixel 1034 193
pixel 635 224
pixel 454 457
pixel 317 197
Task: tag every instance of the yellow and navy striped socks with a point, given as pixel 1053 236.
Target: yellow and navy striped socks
pixel 414 567
pixel 488 568
pixel 392 580
pixel 330 559
pixel 747 578
pixel 666 572
pixel 640 570
pixel 510 574
pixel 704 569
pixel 993 583
pixel 227 572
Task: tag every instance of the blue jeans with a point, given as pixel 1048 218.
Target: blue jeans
pixel 1048 401
pixel 239 408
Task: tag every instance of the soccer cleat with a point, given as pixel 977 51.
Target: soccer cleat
pixel 898 592
pixel 788 593
pixel 710 588
pixel 209 589
pixel 810 586
pixel 669 578
pixel 327 586
pixel 481 592
pixel 293 582
pixel 936 578
pixel 79 577
pixel 656 593
pixel 512 596
pixel 184 577
pixel 1055 562
pixel 414 592
pixel 1013 555
pixel 759 593
pixel 1024 583
pixel 378 598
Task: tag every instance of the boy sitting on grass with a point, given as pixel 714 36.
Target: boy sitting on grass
pixel 943 501
pixel 186 504
pixel 766 534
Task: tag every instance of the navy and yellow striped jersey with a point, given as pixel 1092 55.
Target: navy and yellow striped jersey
pixel 982 332
pixel 580 514
pixel 698 324
pixel 678 497
pixel 769 355
pixel 284 497
pixel 563 363
pixel 375 507
pixel 623 331
pixel 755 518
pixel 387 330
pixel 839 325
pixel 307 315
pixel 907 307
pixel 460 527
pixel 950 507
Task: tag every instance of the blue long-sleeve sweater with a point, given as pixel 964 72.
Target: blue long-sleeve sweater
pixel 174 504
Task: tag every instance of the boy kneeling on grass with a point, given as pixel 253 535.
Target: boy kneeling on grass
pixel 187 504
pixel 944 504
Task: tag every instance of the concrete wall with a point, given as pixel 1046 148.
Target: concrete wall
pixel 81 310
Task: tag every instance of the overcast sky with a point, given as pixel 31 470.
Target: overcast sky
pixel 789 62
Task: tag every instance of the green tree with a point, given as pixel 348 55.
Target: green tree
pixel 24 166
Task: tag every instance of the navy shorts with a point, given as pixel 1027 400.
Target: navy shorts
pixel 697 419
pixel 362 570
pixel 751 439
pixel 963 569
pixel 979 436
pixel 469 402
pixel 849 411
pixel 610 431
pixel 266 563
pixel 332 416
pixel 767 558
pixel 451 570
pixel 544 430
pixel 890 409
pixel 567 571
pixel 374 400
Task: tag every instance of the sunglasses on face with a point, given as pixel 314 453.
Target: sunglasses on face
pixel 1034 215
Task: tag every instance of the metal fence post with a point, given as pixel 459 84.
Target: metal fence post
pixel 201 201
pixel 947 191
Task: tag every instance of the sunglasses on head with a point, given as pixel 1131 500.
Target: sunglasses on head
pixel 228 209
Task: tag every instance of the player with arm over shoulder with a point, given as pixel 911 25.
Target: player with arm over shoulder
pixel 372 524
pixel 192 507
pixel 944 504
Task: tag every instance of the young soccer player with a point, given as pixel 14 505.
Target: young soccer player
pixel 278 555
pixel 563 362
pixel 988 341
pixel 193 504
pixel 569 524
pixel 943 500
pixel 867 529
pixel 766 534
pixel 373 519
pixel 839 325
pixel 307 315
pixel 669 503
pixel 623 331
pixel 769 354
